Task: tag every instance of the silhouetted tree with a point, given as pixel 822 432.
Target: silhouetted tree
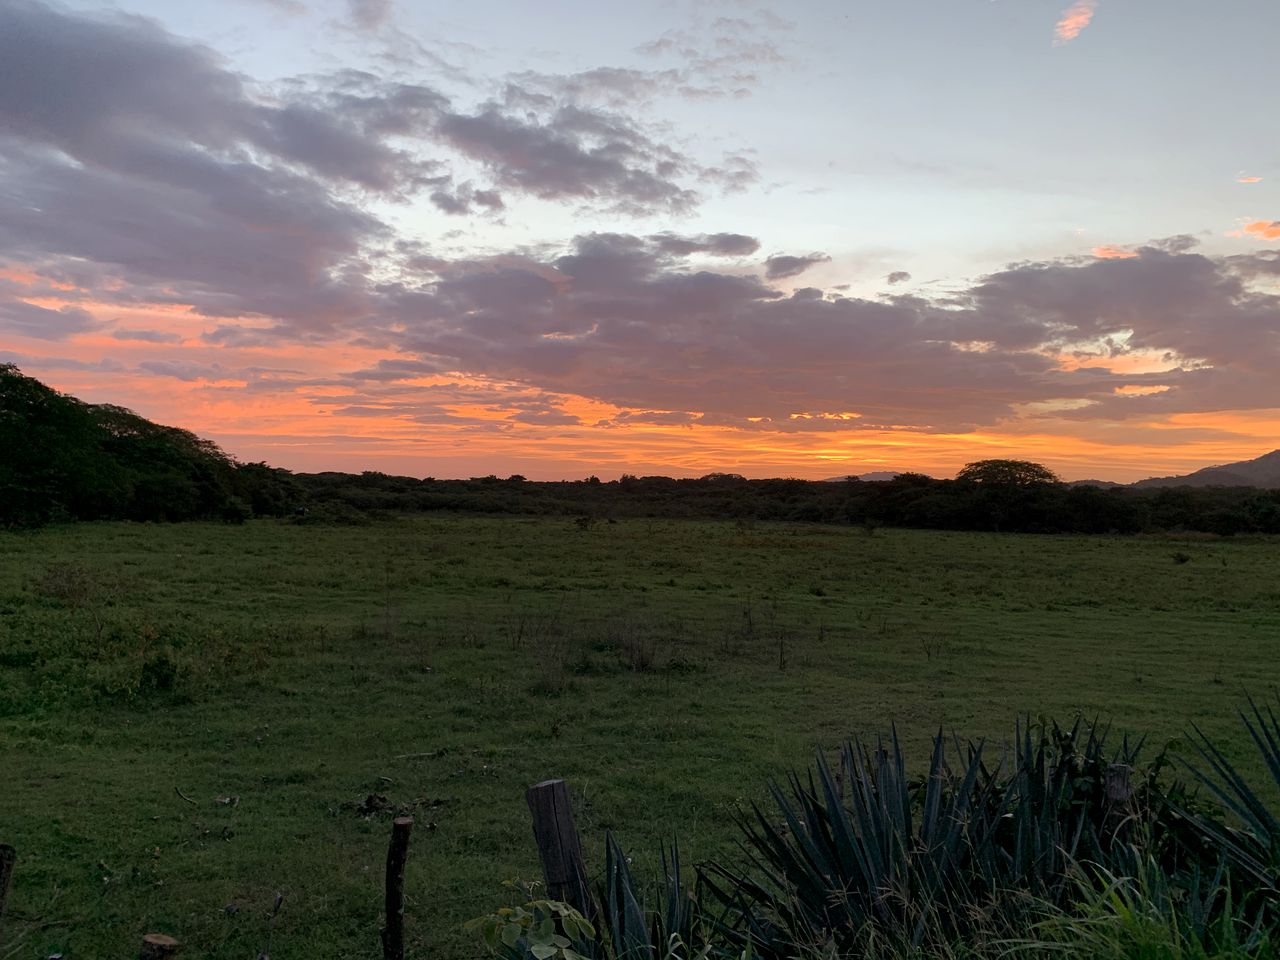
pixel 1010 473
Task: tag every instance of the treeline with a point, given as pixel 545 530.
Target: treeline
pixel 62 459
pixel 910 500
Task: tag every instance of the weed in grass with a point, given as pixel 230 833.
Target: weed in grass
pixel 936 648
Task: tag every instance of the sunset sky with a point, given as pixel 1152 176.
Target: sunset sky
pixel 568 238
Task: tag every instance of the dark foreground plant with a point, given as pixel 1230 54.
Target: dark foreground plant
pixel 1069 835
pixel 962 853
pixel 1249 836
pixel 673 928
pixel 1147 916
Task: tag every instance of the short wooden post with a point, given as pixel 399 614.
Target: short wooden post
pixel 397 856
pixel 158 946
pixel 1119 789
pixel 558 846
pixel 8 858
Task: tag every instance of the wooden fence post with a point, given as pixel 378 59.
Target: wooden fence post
pixel 158 946
pixel 558 846
pixel 1119 789
pixel 397 856
pixel 8 858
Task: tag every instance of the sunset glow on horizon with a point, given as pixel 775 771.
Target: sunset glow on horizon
pixel 721 236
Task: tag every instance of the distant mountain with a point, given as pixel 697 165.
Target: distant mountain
pixel 1263 472
pixel 1105 484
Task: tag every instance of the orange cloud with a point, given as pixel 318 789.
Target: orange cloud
pixel 1248 179
pixel 305 421
pixel 1133 362
pixel 1108 251
pixel 1266 229
pixel 1074 19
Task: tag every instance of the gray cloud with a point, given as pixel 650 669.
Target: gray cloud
pixel 723 56
pixel 246 191
pixel 782 267
pixel 664 418
pixel 146 336
pixel 369 14
pixel 376 395
pixel 734 174
pixel 249 241
pixel 621 327
pixel 572 153
pixel 616 319
pixel 105 365
pixel 184 370
pixel 1168 298
pixel 133 161
pixel 715 59
pixel 121 93
pixel 545 416
pixel 285 6
pixel 897 276
pixel 615 87
pixel 464 199
pixel 28 320
pixel 713 244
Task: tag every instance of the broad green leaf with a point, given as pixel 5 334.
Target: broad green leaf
pixel 511 934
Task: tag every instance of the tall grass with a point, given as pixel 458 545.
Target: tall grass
pixel 1148 917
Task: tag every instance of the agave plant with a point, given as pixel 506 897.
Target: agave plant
pixel 956 854
pixel 1057 809
pixel 859 858
pixel 888 852
pixel 1252 846
pixel 621 925
pixel 672 931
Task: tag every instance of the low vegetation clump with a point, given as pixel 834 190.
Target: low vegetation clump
pixel 1067 845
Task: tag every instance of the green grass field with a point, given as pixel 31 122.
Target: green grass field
pixel 665 669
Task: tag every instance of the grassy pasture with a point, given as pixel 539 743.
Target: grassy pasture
pixel 666 669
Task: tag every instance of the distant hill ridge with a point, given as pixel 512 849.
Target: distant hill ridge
pixel 1262 472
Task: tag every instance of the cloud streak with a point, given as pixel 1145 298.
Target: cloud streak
pixel 1109 251
pixel 783 267
pixel 369 14
pixel 27 319
pixel 1073 21
pixel 1263 229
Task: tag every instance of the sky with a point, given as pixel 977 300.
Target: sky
pixel 675 237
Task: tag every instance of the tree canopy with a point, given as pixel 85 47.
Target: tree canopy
pixel 1007 473
pixel 63 459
